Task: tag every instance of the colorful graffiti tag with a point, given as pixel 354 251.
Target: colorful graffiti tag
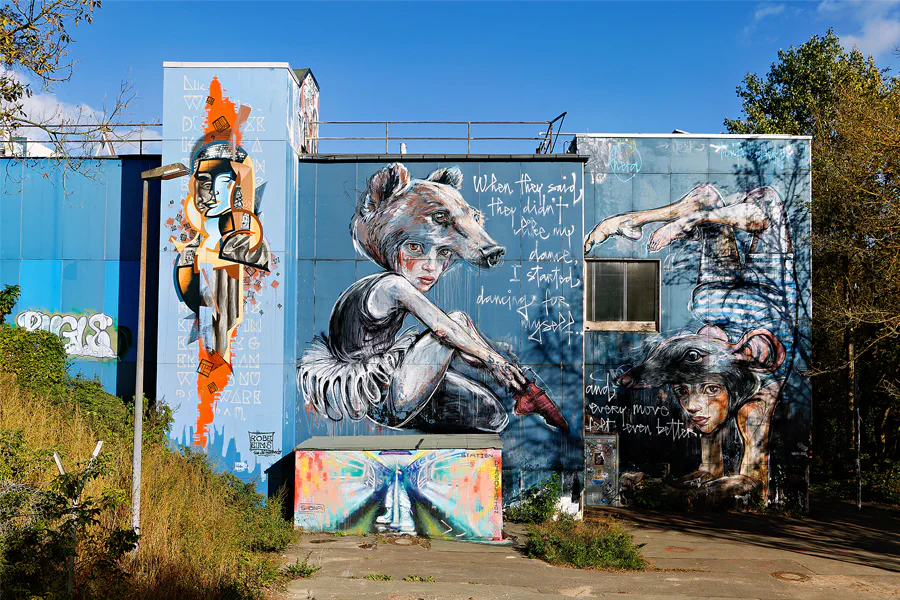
pixel 367 366
pixel 437 493
pixel 222 252
pixel 85 336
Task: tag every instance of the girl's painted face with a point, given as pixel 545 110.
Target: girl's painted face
pixel 422 265
pixel 706 403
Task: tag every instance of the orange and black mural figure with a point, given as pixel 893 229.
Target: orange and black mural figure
pixel 224 249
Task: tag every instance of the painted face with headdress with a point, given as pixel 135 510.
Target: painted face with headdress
pixel 215 181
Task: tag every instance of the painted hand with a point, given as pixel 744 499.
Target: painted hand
pixel 618 225
pixel 507 374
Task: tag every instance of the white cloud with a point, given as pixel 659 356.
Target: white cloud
pixel 767 11
pixel 762 12
pixel 871 26
pixel 44 107
pixel 877 37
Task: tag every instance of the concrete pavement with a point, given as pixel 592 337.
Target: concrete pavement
pixel 697 556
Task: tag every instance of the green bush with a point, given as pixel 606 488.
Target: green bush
pixel 585 545
pixel 9 295
pixel 882 483
pixel 41 524
pixel 538 503
pixel 37 358
pixel 205 535
pixel 655 494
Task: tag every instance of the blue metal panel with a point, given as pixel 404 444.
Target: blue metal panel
pixel 11 209
pixel 82 212
pixel 72 283
pixel 306 211
pixel 42 221
pixel 727 289
pixel 336 192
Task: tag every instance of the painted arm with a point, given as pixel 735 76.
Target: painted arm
pixel 447 330
pixel 702 198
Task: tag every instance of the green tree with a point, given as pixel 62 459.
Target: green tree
pixel 851 108
pixel 35 37
pixel 8 298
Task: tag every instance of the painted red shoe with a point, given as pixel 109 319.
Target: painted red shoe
pixel 534 400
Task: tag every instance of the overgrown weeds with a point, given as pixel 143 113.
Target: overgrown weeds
pixel 378 577
pixel 538 503
pixel 419 578
pixel 204 534
pixel 302 570
pixel 585 545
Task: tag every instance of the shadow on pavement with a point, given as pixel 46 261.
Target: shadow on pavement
pixel 834 529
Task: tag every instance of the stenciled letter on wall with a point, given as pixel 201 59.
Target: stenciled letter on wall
pixel 222 251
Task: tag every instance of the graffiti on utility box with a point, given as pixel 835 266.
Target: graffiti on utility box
pixel 435 493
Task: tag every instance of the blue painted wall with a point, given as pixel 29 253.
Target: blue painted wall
pixel 529 307
pixel 70 237
pixel 240 410
pixel 769 290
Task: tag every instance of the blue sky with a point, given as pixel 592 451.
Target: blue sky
pixel 614 66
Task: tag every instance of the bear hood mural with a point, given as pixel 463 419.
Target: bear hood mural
pixel 415 229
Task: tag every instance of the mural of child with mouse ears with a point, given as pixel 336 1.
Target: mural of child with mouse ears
pixel 366 367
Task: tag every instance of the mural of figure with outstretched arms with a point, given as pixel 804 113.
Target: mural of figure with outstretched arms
pixel 733 369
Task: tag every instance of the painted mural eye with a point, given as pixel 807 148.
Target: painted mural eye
pixel 414 248
pixel 712 389
pixel 441 218
pixel 693 357
pixel 681 391
pixel 445 253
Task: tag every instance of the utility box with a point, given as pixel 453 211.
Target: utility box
pixel 601 470
pixel 439 486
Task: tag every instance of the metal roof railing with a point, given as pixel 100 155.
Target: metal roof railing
pixel 546 138
pixel 85 139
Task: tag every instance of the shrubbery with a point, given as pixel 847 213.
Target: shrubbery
pixel 560 539
pixel 537 505
pixel 585 545
pixel 203 534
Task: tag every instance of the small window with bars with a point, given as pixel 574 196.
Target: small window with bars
pixel 621 295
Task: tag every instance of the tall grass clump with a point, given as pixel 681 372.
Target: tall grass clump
pixel 203 534
pixel 601 544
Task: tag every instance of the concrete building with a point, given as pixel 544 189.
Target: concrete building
pixel 631 315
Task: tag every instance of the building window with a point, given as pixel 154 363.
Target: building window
pixel 621 295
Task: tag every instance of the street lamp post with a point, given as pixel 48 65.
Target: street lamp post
pixel 160 173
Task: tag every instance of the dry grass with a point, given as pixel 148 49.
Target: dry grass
pixel 195 540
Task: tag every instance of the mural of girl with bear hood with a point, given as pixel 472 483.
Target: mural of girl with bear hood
pixel 415 229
